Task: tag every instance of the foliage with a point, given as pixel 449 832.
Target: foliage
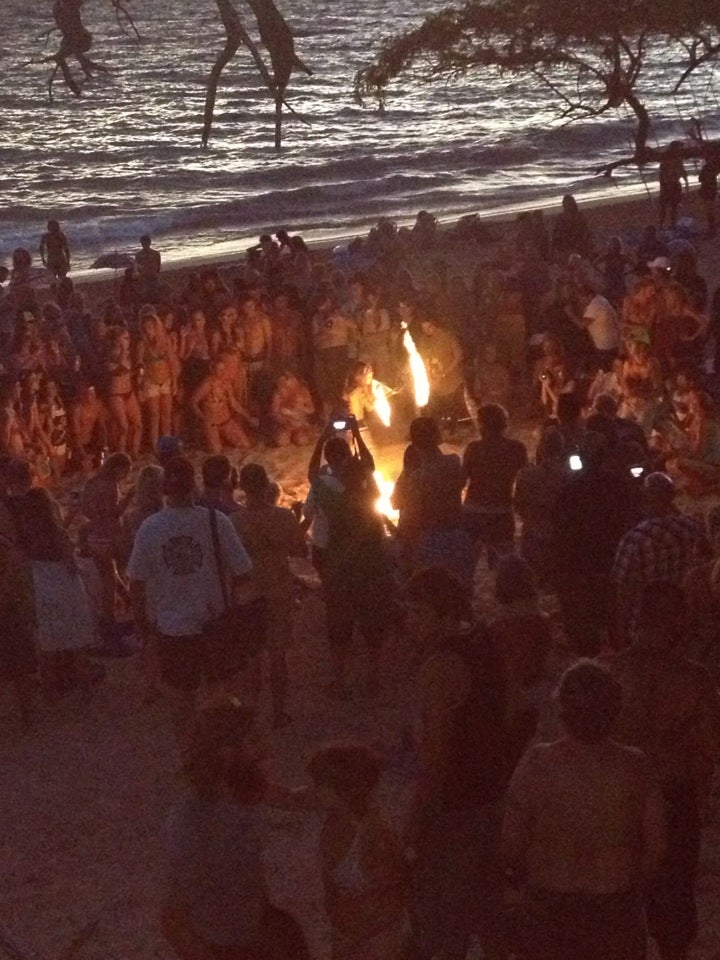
pixel 591 57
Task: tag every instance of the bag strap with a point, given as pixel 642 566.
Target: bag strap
pixel 218 555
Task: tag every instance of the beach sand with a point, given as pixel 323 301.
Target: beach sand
pixel 84 797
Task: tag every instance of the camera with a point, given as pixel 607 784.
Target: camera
pixel 575 462
pixel 637 472
pixel 544 375
pixel 340 425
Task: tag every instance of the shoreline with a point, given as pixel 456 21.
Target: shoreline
pixel 605 205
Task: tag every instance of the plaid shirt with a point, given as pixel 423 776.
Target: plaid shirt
pixel 660 549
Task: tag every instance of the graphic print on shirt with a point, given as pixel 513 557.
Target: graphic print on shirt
pixel 182 555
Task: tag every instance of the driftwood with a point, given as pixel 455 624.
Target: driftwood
pixel 75 41
pixel 694 147
pixel 277 38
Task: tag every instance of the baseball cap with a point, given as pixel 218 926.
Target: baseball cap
pixel 660 263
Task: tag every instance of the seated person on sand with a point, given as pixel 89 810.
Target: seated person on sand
pixel 219 412
pixel 291 408
pixel 125 420
pixel 54 424
pixel 12 435
pixel 492 380
pixel 553 375
pixel 699 468
pixel 88 428
pixel 641 384
pixel 424 232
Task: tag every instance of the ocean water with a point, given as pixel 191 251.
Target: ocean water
pixel 126 157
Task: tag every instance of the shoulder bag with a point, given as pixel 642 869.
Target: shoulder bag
pixel 239 633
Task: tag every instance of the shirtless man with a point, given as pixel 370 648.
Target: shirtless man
pixel 88 428
pixel 257 344
pixel 218 412
pixel 147 267
pixel 291 407
pixel 288 346
pixel 672 714
pixel 123 403
pixel 54 249
pixel 583 830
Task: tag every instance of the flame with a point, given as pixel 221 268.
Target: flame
pixel 382 504
pixel 382 404
pixel 421 383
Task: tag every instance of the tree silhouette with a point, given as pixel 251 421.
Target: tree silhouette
pixel 276 36
pixel 592 58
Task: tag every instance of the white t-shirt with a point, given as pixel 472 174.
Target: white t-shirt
pixel 173 556
pixel 603 327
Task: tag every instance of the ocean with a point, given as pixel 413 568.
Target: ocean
pixel 126 157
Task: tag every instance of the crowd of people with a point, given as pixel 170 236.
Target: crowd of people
pixel 611 356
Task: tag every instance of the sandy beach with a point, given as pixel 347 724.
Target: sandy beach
pixel 84 796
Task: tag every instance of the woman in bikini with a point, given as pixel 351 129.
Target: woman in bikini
pixel 123 404
pixel 219 413
pixel 54 423
pixel 155 363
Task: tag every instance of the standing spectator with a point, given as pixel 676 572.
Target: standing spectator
pixel 599 318
pixel 54 249
pixel 672 713
pixel 670 171
pixel 571 233
pixel 147 269
pixel 708 185
pixel 463 771
pixel 216 905
pixel 362 860
pixel 597 506
pixel 661 548
pixel 431 485
pixel 175 586
pixel 271 536
pixel 583 830
pixel 103 503
pixel 356 576
pixel 535 495
pixel 443 358
pixel 490 466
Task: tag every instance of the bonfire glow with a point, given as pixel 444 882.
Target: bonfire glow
pixel 382 404
pixel 382 504
pixel 421 384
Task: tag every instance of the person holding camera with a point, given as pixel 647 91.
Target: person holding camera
pixel 355 572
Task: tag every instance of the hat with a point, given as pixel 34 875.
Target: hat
pixel 660 263
pixel 660 485
pixel 168 447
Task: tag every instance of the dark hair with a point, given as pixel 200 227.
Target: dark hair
pixel 116 462
pixel 492 419
pixel 425 433
pixel 514 580
pixel 336 450
pixel 179 478
pixel 213 732
pixel 590 700
pixel 254 480
pixel 569 407
pixel 216 470
pixel 661 604
pixel 441 590
pixel 352 769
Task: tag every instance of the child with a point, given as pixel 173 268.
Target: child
pixel 362 863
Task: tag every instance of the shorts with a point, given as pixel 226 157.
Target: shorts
pixel 182 661
pixel 153 390
pixel 568 926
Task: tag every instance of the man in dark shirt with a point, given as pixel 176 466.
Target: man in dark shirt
pixel 598 505
pixel 220 480
pixel 490 466
pixel 463 768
